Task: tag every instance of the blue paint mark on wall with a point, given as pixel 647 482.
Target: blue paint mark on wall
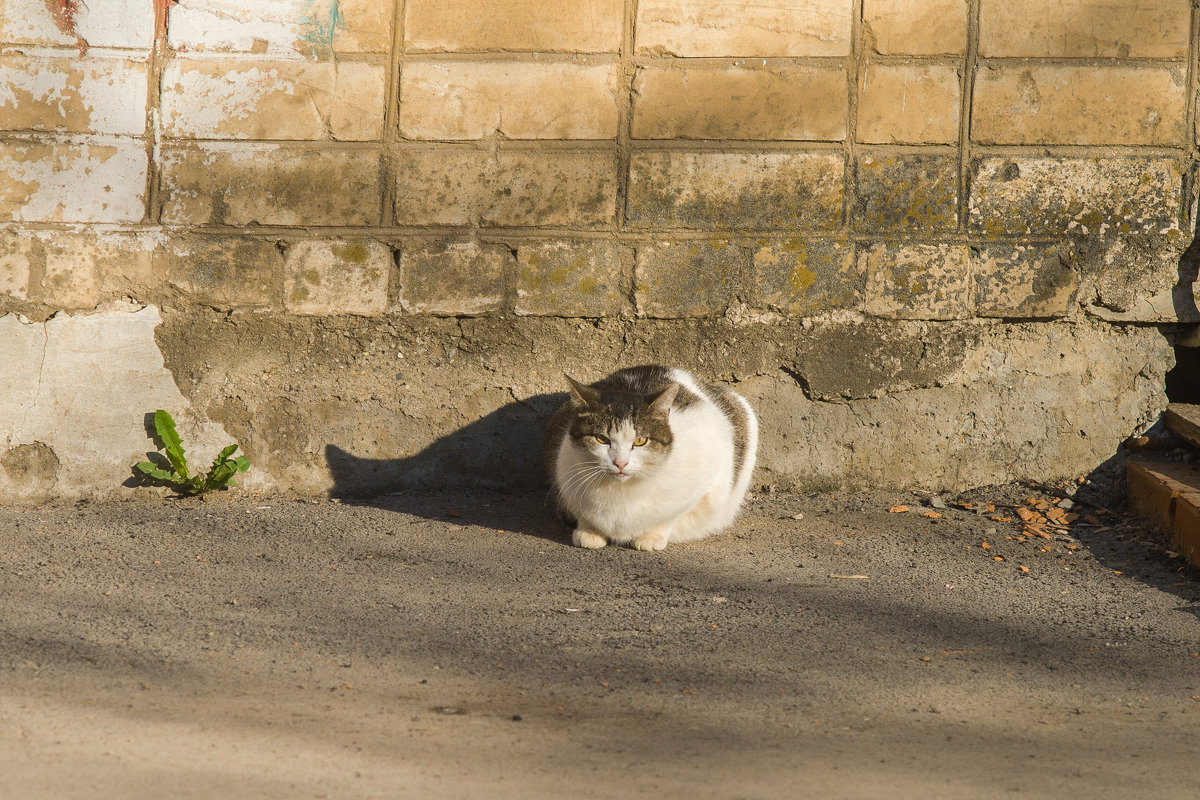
pixel 320 24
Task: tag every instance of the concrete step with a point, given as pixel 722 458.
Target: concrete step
pixel 1168 495
pixel 1183 420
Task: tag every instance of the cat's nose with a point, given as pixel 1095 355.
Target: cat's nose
pixel 620 464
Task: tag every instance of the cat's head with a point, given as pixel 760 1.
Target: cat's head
pixel 626 435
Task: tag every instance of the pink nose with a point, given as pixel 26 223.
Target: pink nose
pixel 620 465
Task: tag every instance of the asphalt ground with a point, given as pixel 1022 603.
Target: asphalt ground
pixel 455 645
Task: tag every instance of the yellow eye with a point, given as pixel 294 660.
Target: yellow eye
pixel 641 440
pixel 601 439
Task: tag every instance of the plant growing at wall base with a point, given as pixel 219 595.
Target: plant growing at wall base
pixel 174 472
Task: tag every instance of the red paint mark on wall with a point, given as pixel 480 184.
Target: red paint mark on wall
pixel 161 12
pixel 63 12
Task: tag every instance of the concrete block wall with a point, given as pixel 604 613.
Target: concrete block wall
pixel 929 154
pixel 945 163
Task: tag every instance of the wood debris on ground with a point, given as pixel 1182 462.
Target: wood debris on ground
pixel 1038 520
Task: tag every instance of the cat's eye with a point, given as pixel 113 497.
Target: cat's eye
pixel 640 441
pixel 600 439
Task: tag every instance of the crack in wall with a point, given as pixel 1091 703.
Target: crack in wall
pixel 19 434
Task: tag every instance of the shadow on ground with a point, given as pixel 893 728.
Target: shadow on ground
pixel 500 452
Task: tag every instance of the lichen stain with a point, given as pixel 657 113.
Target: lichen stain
pixel 352 253
pixel 802 279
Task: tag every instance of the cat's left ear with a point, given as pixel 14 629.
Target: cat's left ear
pixel 662 403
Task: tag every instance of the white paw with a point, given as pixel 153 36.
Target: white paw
pixel 652 541
pixel 592 541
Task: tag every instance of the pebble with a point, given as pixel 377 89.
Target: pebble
pixel 937 502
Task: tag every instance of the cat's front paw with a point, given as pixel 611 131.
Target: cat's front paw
pixel 652 541
pixel 592 541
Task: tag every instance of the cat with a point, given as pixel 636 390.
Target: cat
pixel 648 456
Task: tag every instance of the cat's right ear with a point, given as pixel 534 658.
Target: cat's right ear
pixel 582 394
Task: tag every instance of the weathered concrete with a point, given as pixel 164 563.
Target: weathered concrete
pixel 358 406
pixel 75 392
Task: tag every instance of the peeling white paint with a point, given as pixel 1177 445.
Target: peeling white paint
pixel 247 26
pixel 273 100
pixel 106 96
pixel 202 104
pixel 82 385
pixel 99 23
pixel 98 180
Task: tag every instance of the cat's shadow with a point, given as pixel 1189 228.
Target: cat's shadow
pixel 488 473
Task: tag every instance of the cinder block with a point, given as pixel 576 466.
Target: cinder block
pixel 521 100
pixel 226 271
pixel 337 277
pixel 507 188
pixel 81 269
pixel 716 28
pixel 909 104
pixel 1085 29
pixel 572 279
pixel 246 184
pixel 101 180
pixel 797 101
pixel 16 259
pixel 125 24
pixel 1133 276
pixel 689 278
pixel 68 270
pixel 544 26
pixel 808 276
pixel 1091 104
pixel 452 278
pixel 925 28
pixel 1080 196
pixel 1027 281
pixel 716 190
pixel 918 281
pixel 906 192
pixel 239 99
pixel 283 28
pixel 72 95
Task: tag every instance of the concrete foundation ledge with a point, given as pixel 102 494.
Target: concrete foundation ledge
pixel 357 406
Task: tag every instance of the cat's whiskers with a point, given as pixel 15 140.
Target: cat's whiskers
pixel 581 478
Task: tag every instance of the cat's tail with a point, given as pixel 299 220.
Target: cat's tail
pixel 745 426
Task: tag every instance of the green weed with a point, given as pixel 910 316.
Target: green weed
pixel 174 472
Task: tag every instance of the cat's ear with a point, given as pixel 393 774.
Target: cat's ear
pixel 583 394
pixel 662 403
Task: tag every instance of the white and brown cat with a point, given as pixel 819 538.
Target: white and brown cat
pixel 649 456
